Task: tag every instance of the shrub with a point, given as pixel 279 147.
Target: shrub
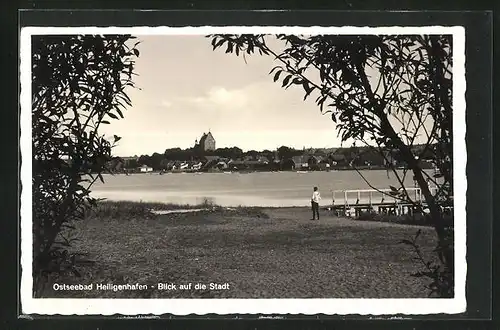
pixel 79 83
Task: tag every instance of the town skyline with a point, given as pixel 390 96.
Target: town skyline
pixel 303 147
pixel 185 88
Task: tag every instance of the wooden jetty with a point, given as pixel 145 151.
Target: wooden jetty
pixel 355 202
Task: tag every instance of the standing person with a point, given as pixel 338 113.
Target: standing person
pixel 315 203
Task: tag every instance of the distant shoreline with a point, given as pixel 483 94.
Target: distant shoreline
pixel 361 168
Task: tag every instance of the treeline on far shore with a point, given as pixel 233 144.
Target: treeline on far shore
pixel 281 159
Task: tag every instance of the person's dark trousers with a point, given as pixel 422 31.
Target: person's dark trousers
pixel 315 210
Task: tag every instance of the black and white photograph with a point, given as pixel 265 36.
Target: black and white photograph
pixel 243 170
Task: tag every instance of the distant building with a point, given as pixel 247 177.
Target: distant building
pixel 313 160
pixel 245 164
pixel 170 165
pixel 263 160
pixel 338 159
pixel 210 162
pixel 221 165
pixel 145 169
pixel 197 166
pixel 300 162
pixel 211 158
pixel 206 143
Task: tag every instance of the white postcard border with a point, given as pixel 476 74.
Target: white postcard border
pixel 68 306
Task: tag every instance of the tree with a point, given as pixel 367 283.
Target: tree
pixel 131 163
pixel 251 153
pixel 386 92
pixel 156 159
pixel 285 152
pixel 230 153
pixel 78 84
pixel 164 164
pixel 144 160
pixel 115 165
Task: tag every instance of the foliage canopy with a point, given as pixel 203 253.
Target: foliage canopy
pixel 384 91
pixel 79 83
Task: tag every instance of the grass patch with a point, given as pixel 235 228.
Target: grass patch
pixel 123 210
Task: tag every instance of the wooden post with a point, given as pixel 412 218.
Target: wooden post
pixel 345 203
pixel 359 195
pixel 370 198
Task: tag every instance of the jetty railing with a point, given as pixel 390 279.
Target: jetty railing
pixel 370 199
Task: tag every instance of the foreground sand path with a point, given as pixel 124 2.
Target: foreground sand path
pixel 273 253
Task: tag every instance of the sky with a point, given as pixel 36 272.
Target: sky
pixel 185 89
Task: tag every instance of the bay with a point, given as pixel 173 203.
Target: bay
pixel 267 189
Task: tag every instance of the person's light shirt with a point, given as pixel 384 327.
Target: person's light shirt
pixel 316 197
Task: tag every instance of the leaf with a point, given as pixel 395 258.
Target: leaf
pixel 393 188
pixel 219 43
pixel 276 67
pixel 85 89
pixel 286 80
pixel 120 113
pixel 136 52
pixel 76 272
pixel 116 138
pixel 405 241
pixel 112 115
pixel 307 89
pixel 277 75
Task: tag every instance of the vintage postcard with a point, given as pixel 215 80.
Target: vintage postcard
pixel 243 170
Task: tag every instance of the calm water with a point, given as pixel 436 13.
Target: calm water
pixel 233 189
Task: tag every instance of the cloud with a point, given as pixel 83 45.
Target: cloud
pixel 166 104
pixel 222 97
